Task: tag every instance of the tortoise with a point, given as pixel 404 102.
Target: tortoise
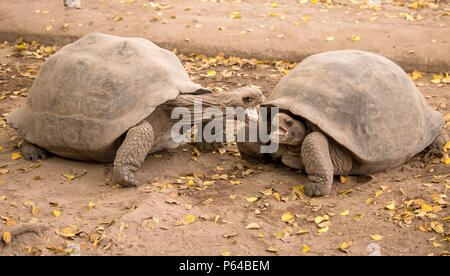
pixel 348 112
pixel 107 98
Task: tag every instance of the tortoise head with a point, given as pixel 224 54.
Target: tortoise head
pixel 245 97
pixel 290 130
pixel 248 97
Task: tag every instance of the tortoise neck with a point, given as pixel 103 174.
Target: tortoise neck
pixel 218 100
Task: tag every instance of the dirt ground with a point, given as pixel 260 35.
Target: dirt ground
pixel 213 203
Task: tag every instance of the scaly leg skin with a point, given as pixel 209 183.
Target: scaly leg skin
pixel 132 153
pixel 315 155
pixel 32 152
pixel 436 148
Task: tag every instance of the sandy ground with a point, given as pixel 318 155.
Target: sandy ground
pixel 214 203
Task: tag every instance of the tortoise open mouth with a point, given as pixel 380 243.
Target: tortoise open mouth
pixel 253 113
pixel 280 132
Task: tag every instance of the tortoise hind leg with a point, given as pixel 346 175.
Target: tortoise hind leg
pixel 31 152
pixel 131 154
pixel 437 146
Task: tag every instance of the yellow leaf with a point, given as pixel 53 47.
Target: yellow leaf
pixel 35 210
pixel 272 249
pixel 320 219
pixel 305 248
pixel 261 235
pixel 345 245
pixel 15 156
pixel 207 202
pixel 211 73
pixel 251 199
pixel 323 230
pixel 67 233
pixel 225 252
pixel 424 228
pixel 299 189
pixel 343 179
pixel 276 196
pixel 358 218
pixel 232 182
pixel 378 193
pixel 426 208
pixel 446 147
pixel 68 176
pixel 390 206
pixel 345 213
pixel 300 232
pixel 330 38
pixel 435 244
pixel 3 171
pixel 369 200
pixel 186 220
pixel 437 227
pixel 235 15
pixel 56 213
pixel 376 237
pixel 6 237
pixel 355 38
pixel 287 216
pixel 252 225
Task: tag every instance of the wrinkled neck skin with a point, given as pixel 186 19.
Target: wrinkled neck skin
pixel 220 100
pixel 217 100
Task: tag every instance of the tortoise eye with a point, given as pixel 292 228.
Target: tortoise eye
pixel 288 123
pixel 248 99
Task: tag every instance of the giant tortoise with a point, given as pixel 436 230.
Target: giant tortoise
pixel 349 112
pixel 108 98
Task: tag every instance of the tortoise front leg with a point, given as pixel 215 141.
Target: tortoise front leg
pixel 32 153
pixel 132 153
pixel 315 155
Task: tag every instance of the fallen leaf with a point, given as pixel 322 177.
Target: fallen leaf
pixel 287 216
pixel 6 237
pixel 300 232
pixel 390 206
pixel 225 252
pixel 56 213
pixel 323 230
pixel 252 225
pixel 376 237
pixel 344 246
pixel 15 156
pixel 251 199
pixel 305 248
pixel 211 73
pixel 189 219
pixel 345 213
pixel 276 196
pixel 272 249
pixel 208 201
pixel 68 176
